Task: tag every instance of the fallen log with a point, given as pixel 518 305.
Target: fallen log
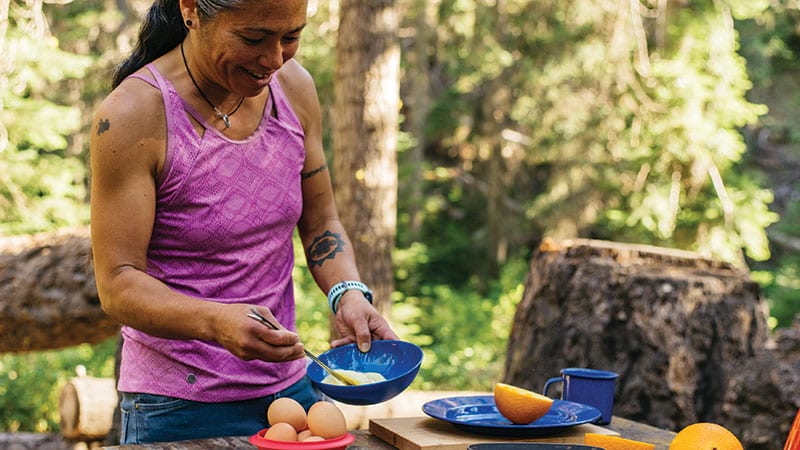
pixel 48 297
pixel 86 407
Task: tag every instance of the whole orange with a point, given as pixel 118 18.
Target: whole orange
pixel 705 436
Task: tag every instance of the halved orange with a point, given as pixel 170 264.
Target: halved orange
pixel 519 405
pixel 609 442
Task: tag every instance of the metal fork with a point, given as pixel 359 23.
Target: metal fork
pixel 344 378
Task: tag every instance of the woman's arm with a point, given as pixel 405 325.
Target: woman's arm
pixel 329 252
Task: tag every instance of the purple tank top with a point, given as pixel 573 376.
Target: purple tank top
pixel 225 214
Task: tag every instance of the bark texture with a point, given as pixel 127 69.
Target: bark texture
pixel 763 393
pixel 688 336
pixel 365 137
pixel 40 441
pixel 48 297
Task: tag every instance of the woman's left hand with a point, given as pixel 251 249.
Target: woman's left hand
pixel 358 321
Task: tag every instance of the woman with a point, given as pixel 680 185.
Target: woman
pixel 205 157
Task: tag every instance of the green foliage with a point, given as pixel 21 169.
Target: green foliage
pixel 42 184
pixel 771 46
pixel 42 191
pixel 780 278
pixel 462 330
pixel 449 238
pixel 30 383
pixel 630 131
pixel 783 289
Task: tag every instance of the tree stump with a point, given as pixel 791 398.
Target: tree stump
pixel 48 297
pixel 86 407
pixel 674 325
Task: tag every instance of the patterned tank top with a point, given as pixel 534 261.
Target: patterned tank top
pixel 225 213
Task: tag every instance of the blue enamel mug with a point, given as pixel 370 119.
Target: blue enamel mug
pixel 588 386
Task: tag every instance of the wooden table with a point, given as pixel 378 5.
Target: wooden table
pixel 365 440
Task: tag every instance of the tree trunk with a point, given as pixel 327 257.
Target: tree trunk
pixel 365 137
pixel 677 327
pixel 48 297
pixel 417 108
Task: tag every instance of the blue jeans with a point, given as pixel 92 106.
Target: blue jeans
pixel 157 418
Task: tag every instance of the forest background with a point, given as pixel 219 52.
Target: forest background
pixel 663 122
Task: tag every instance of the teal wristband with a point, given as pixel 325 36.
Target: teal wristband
pixel 338 290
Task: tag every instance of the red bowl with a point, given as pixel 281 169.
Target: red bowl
pixel 340 442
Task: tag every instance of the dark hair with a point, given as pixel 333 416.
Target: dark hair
pixel 162 30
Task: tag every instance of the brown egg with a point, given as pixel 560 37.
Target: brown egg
pixel 288 410
pixel 326 420
pixel 313 439
pixel 281 431
pixel 301 436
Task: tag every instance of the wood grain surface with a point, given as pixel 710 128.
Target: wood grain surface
pixel 425 433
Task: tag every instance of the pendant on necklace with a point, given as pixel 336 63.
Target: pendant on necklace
pixel 223 116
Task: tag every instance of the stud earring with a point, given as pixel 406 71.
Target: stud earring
pixel 189 23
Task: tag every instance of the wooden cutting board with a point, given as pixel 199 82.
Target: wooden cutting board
pixel 426 433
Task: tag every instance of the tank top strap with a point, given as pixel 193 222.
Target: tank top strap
pixel 283 109
pixel 169 92
pixel 180 131
pixel 145 78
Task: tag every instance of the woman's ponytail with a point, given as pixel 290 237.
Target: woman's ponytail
pixel 161 31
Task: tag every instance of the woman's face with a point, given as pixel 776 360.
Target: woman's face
pixel 241 49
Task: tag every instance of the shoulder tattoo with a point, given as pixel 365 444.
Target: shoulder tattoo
pixel 311 173
pixel 102 126
pixel 324 247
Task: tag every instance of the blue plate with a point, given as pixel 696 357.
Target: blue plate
pixel 478 414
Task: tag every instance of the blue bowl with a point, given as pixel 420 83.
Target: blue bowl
pixel 397 361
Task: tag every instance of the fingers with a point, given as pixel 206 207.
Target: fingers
pixel 274 345
pixel 269 336
pixel 266 352
pixel 384 331
pixel 266 313
pixel 250 339
pixel 362 333
pixel 360 322
pixel 271 345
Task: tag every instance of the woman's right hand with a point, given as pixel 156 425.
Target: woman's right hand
pixel 248 339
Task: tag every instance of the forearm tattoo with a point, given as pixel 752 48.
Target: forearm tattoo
pixel 102 126
pixel 324 247
pixel 311 173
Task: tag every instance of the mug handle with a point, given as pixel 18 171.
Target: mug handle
pixel 549 382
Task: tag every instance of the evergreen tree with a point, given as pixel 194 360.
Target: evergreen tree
pixel 610 119
pixel 42 183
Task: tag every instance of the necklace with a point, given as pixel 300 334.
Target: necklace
pixel 225 117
